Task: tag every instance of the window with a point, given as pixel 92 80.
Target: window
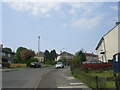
pixel 116 58
pixel 3 53
pixel 0 53
pixel 6 54
pixel 9 55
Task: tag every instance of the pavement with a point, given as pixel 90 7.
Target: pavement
pixel 61 78
pixel 9 70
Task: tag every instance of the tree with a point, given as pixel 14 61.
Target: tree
pixel 81 56
pixel 27 54
pixel 75 60
pixel 49 57
pixel 63 60
pixel 17 55
pixel 53 55
pixel 46 55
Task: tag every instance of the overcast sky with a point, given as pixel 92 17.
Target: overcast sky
pixel 68 26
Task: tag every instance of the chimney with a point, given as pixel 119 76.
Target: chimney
pixel 117 23
pixel 60 52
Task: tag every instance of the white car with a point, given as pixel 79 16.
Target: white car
pixel 59 65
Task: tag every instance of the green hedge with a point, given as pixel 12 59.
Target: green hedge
pixel 5 64
pixel 26 61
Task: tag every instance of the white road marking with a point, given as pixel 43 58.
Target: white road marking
pixel 76 83
pixel 65 87
pixel 70 78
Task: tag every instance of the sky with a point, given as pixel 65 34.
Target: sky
pixel 63 26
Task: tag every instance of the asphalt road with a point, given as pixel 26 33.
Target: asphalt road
pixel 46 77
pixel 24 78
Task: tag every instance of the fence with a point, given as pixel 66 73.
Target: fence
pixel 17 65
pixel 89 80
pixel 95 81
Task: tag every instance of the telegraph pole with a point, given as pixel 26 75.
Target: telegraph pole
pixel 38 45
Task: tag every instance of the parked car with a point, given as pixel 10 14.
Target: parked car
pixel 59 65
pixel 95 64
pixel 35 64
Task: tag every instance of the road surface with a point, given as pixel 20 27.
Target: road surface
pixel 45 77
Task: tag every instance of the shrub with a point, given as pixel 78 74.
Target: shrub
pixel 30 60
pixel 5 64
pixel 26 61
pixel 74 60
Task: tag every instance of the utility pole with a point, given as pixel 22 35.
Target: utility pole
pixel 38 45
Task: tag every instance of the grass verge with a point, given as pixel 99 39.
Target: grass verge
pixel 89 78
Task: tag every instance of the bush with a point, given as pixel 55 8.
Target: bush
pixel 26 61
pixel 5 64
pixel 49 62
pixel 75 60
pixel 30 60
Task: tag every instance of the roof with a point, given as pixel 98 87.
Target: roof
pixel 41 54
pixel 7 51
pixel 66 53
pixel 91 54
pixel 99 43
pixel 117 23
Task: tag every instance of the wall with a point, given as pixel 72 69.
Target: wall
pixel 99 50
pixel 111 43
pixel 119 38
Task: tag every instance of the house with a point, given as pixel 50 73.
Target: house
pixel 91 56
pixel 7 55
pixel 39 56
pixel 108 45
pixel 66 55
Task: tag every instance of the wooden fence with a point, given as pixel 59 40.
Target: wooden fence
pixel 14 65
pixel 95 81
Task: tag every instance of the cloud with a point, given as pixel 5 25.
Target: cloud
pixel 85 8
pixel 72 11
pixel 114 8
pixel 35 9
pixel 78 14
pixel 87 23
pixel 20 6
pixel 42 8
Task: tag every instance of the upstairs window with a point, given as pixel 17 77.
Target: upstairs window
pixel 3 53
pixel 9 55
